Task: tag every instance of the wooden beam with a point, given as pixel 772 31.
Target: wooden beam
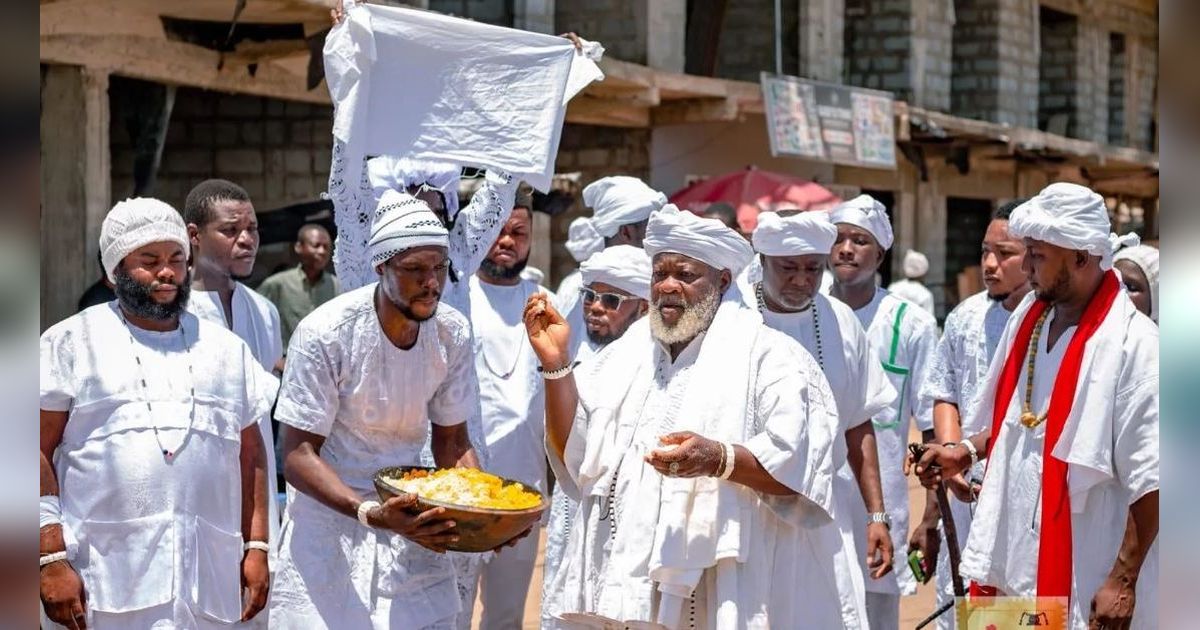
pixel 176 63
pixel 647 96
pixel 695 111
pixel 586 110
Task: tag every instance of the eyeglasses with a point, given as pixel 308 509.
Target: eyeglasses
pixel 610 301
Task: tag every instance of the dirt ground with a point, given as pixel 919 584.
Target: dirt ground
pixel 912 609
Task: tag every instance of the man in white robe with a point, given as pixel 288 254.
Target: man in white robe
pixel 616 293
pixel 511 399
pixel 1068 510
pixel 794 250
pixel 902 336
pixel 223 229
pixel 153 484
pixel 960 364
pixel 367 374
pixel 912 288
pixel 620 207
pixel 700 459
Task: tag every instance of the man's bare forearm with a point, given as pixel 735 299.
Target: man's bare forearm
pixel 307 472
pixel 562 400
pixel 452 447
pixel 1141 529
pixel 53 424
pixel 253 462
pixel 947 423
pixel 864 463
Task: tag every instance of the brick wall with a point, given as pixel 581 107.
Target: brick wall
pixel 995 61
pixel 614 23
pixel 1092 83
pixel 594 152
pixel 279 151
pixel 747 45
pixel 1057 67
pixel 903 46
pixel 822 28
pixel 1146 75
pixel 1117 65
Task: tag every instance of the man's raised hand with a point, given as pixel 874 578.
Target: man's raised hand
pixel 548 332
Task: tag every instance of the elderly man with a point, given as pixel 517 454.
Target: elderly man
pixel 701 458
pixel 615 294
pixel 793 252
pixel 960 365
pixel 299 290
pixel 1069 506
pixel 902 337
pixel 367 374
pixel 223 229
pixel 1138 265
pixel 912 287
pixel 154 511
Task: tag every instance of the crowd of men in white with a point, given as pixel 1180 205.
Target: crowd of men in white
pixel 727 445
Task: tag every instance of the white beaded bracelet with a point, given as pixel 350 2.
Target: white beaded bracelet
pixel 52 558
pixel 262 546
pixel 554 375
pixel 730 455
pixel 364 508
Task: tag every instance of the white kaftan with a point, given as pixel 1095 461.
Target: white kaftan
pixel 255 321
pixel 904 344
pixel 373 403
pixel 1110 443
pixel 861 391
pixel 914 292
pixel 959 367
pixel 160 542
pixel 653 551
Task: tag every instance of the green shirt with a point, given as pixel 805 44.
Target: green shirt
pixel 296 297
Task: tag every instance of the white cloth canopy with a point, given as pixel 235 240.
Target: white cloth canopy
pixel 707 240
pixel 867 213
pixel 623 266
pixel 1146 258
pixel 615 201
pixel 1066 215
pixel 800 234
pixel 387 172
pixel 135 223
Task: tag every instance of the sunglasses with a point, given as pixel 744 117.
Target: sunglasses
pixel 610 301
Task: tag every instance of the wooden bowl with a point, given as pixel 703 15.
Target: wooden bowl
pixel 479 529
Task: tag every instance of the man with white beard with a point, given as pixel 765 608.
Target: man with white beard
pixel 794 250
pixel 615 294
pixel 1068 511
pixel 699 461
pixel 902 337
pixel 960 364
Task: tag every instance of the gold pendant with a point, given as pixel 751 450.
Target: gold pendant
pixel 1030 420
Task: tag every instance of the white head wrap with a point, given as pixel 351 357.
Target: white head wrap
pixel 403 222
pixel 867 213
pixel 615 201
pixel 707 240
pixel 137 222
pixel 915 264
pixel 1146 258
pixel 623 266
pixel 809 232
pixel 1066 215
pixel 391 173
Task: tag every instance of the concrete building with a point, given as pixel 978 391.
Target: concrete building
pixel 994 99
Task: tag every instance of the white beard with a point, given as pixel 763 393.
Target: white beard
pixel 695 319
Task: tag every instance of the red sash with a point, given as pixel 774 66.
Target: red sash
pixel 1054 543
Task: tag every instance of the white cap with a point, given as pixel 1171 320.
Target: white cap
pixel 137 222
pixel 707 240
pixel 867 213
pixel 809 232
pixel 403 222
pixel 915 264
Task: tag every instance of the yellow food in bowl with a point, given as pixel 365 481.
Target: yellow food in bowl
pixel 466 486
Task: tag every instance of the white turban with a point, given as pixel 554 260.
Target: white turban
pixel 1066 215
pixel 403 222
pixel 623 266
pixel 137 222
pixel 809 232
pixel 915 264
pixel 1146 258
pixel 391 173
pixel 615 201
pixel 707 240
pixel 867 213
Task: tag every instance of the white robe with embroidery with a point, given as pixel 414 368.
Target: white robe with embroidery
pixel 159 542
pixel 1110 443
pixel 661 551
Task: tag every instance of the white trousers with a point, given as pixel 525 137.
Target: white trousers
pixel 503 582
pixel 883 611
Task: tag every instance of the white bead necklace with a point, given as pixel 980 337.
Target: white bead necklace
pixel 168 453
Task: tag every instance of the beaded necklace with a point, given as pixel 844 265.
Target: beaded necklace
pixel 1028 417
pixel 762 308
pixel 168 453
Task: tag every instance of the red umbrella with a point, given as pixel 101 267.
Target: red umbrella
pixel 751 191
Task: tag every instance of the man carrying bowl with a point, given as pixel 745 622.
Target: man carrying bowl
pixel 367 374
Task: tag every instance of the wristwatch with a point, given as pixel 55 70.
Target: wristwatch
pixel 880 517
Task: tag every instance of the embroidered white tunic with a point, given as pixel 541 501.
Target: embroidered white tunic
pixel 861 391
pixel 373 402
pixel 623 564
pixel 1110 443
pixel 960 364
pixel 905 350
pixel 160 542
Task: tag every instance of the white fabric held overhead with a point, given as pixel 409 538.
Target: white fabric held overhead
pixel 433 87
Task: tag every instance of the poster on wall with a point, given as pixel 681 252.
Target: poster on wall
pixel 829 122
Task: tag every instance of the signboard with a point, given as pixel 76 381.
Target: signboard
pixel 829 122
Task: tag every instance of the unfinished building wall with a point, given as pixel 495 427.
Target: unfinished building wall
pixel 647 32
pixel 903 46
pixel 995 61
pixel 1057 68
pixel 747 44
